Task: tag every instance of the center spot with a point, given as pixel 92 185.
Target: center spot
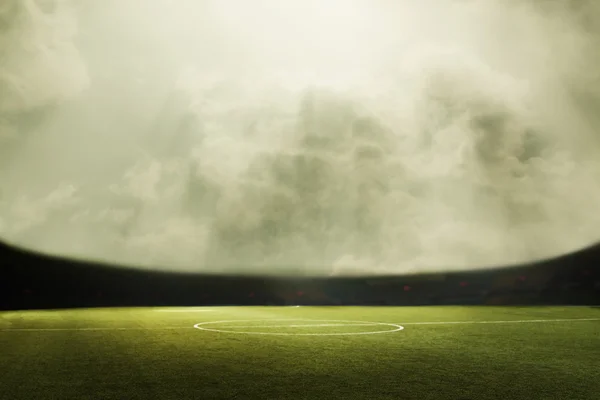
pixel 298 327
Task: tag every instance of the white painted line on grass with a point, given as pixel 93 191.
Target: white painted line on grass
pixel 302 325
pixel 516 321
pixel 93 329
pixel 203 326
pixel 365 323
pixel 184 311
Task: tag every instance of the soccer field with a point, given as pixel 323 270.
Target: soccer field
pixel 302 353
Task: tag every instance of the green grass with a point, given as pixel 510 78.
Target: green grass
pixel 146 354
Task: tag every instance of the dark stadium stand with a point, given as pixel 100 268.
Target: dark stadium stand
pixel 29 280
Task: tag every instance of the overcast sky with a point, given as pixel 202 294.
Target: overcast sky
pixel 329 136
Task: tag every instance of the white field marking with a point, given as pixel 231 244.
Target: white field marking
pixel 302 325
pixel 516 321
pixel 364 323
pixel 187 311
pixel 396 327
pixel 92 329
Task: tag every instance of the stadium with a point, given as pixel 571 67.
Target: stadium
pixel 74 330
pixel 299 199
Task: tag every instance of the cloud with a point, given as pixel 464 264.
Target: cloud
pixel 405 138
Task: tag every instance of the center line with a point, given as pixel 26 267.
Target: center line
pixel 298 326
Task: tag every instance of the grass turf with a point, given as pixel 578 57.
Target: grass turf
pixel 158 354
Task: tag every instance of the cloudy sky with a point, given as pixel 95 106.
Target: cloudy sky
pixel 321 136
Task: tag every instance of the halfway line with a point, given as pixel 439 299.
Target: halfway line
pixel 414 323
pixel 300 326
pixel 92 329
pixel 257 326
pixel 184 311
pixel 517 321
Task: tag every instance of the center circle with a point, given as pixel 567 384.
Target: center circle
pixel 298 324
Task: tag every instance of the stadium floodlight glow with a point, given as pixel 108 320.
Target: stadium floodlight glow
pixel 328 137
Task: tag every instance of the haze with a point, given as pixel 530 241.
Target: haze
pixel 300 136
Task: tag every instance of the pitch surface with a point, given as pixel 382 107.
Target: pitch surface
pixel 308 353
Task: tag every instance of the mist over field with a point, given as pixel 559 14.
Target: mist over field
pixel 320 136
